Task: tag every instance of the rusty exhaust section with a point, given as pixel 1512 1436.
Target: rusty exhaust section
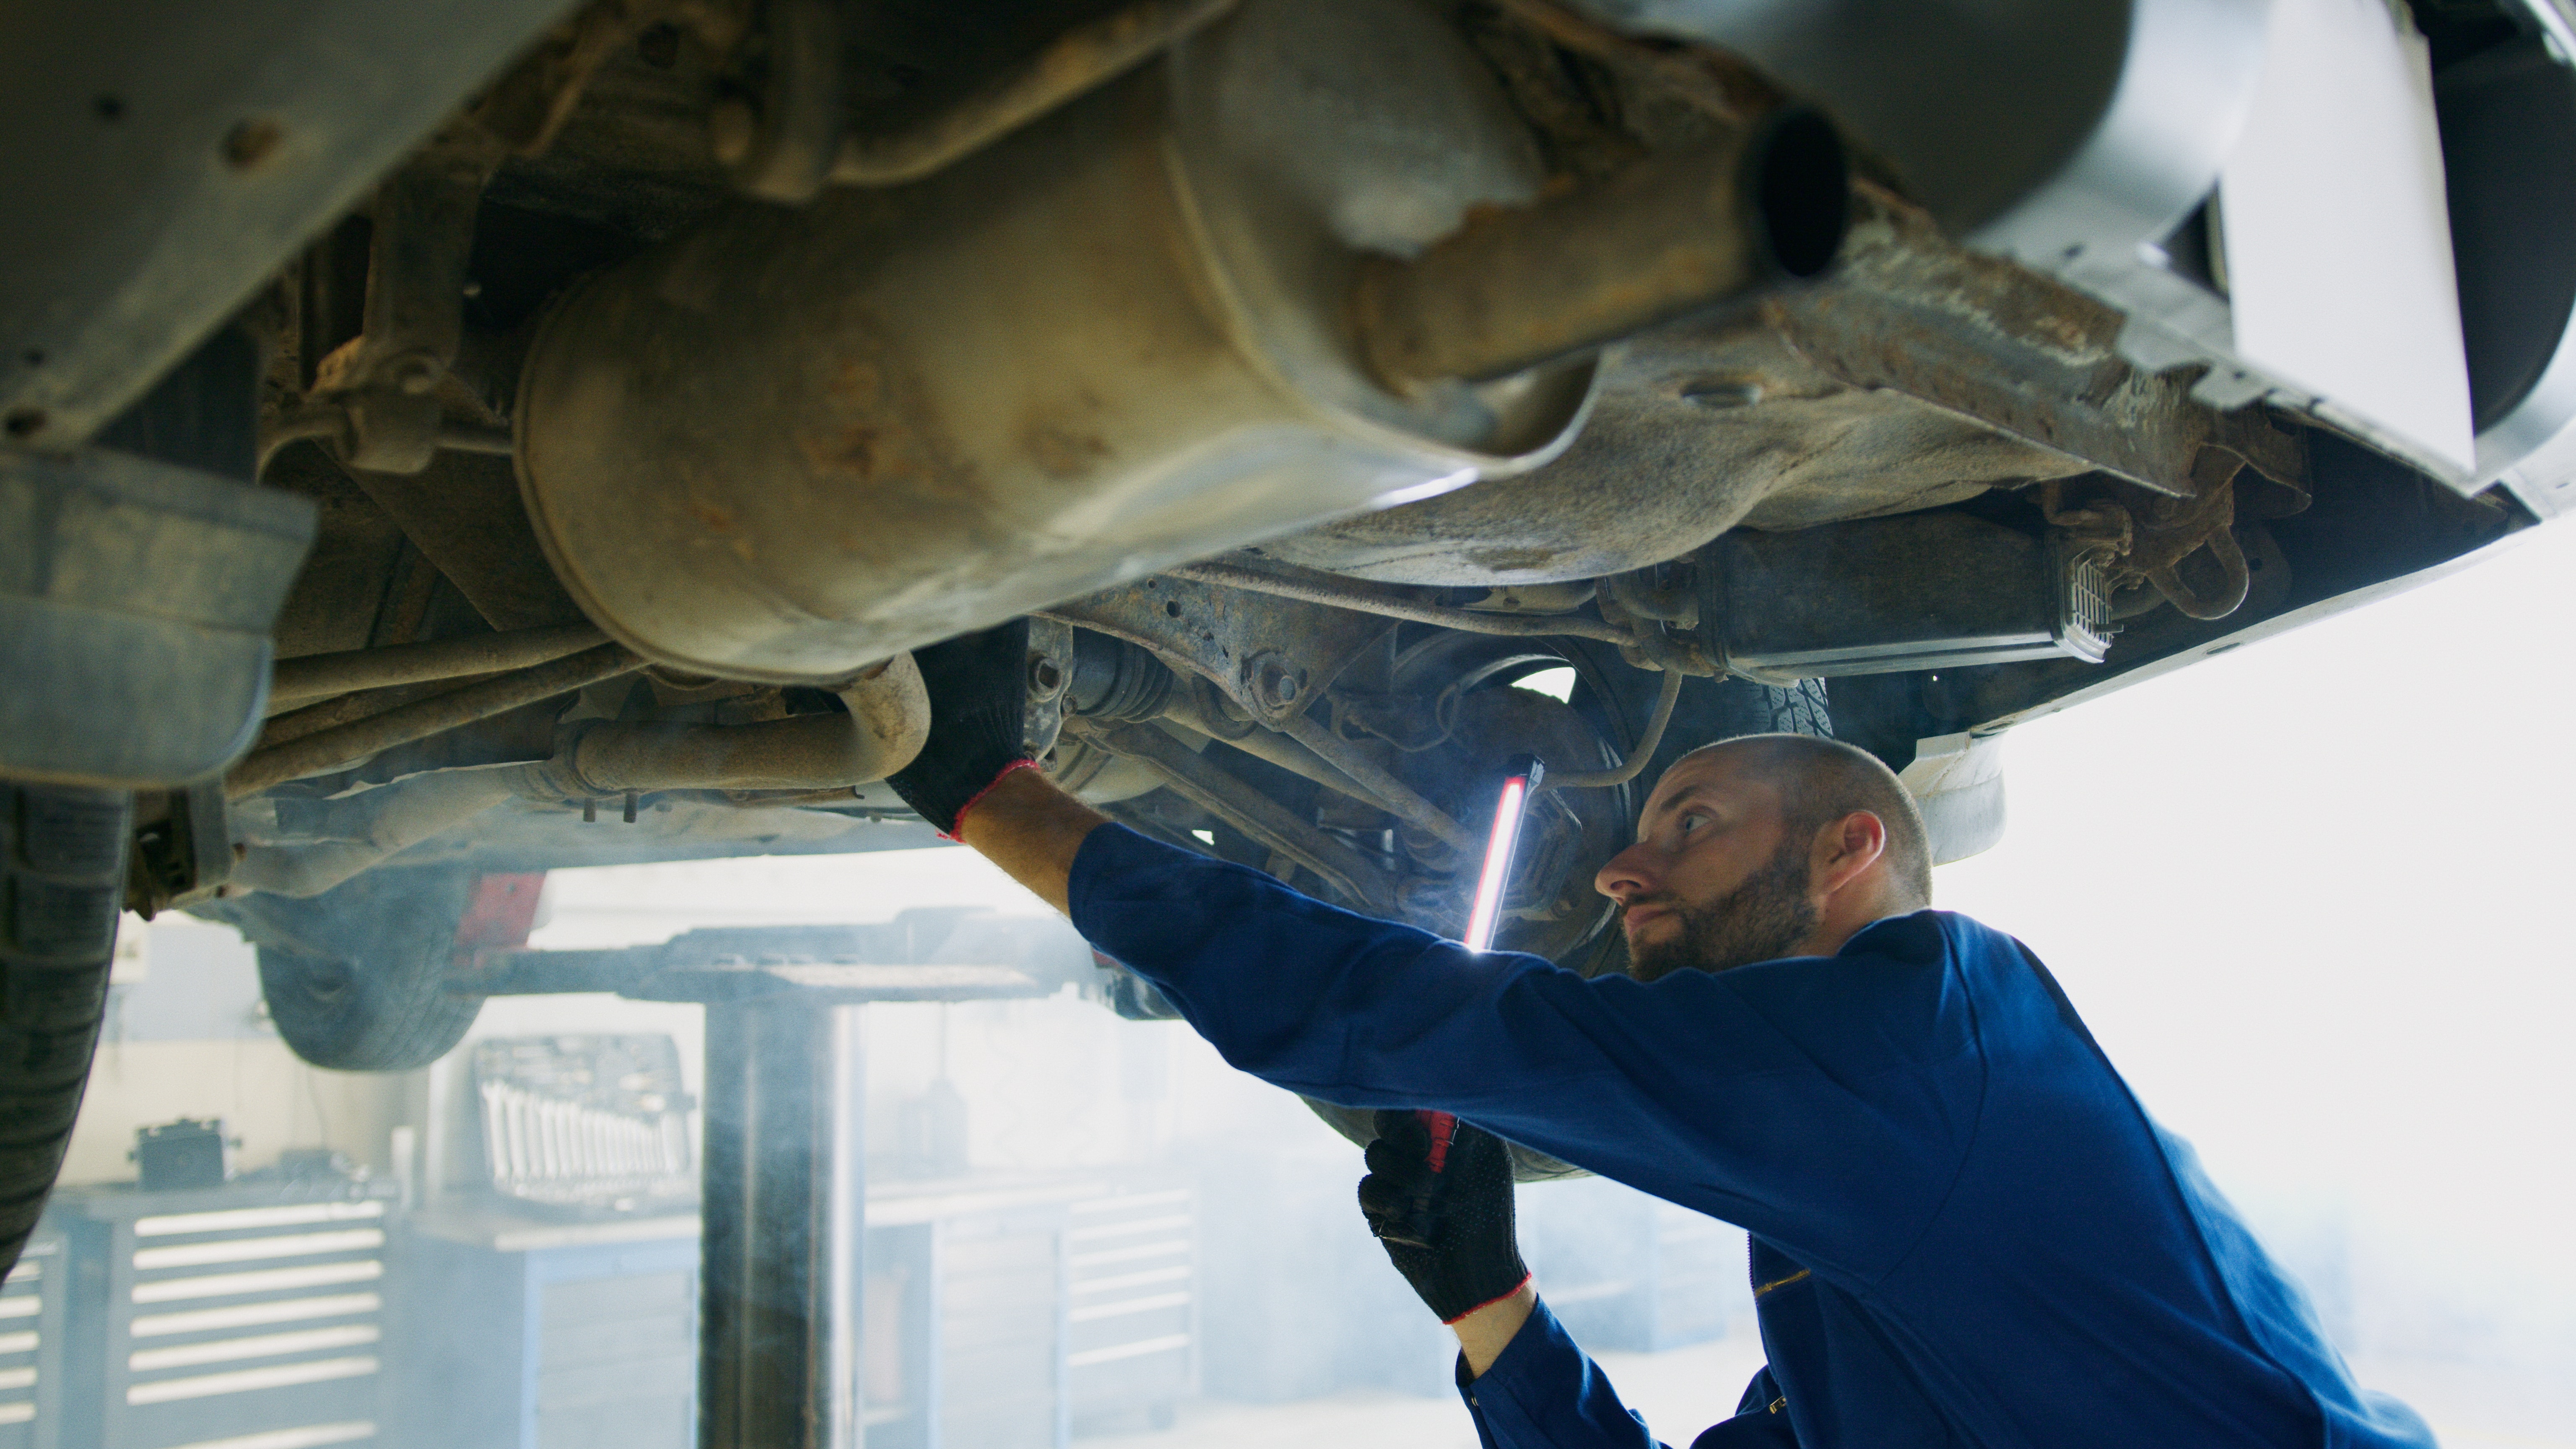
pixel 888 719
pixel 371 825
pixel 791 443
pixel 788 444
pixel 887 723
pixel 1676 233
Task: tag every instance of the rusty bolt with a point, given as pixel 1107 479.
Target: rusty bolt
pixel 731 128
pixel 1276 685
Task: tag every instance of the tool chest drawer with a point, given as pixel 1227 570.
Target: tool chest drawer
pixel 222 1314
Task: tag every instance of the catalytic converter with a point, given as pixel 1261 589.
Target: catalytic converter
pixel 1230 296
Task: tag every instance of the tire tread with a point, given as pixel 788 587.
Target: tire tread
pixel 62 882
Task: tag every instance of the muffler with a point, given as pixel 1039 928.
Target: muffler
pixel 790 443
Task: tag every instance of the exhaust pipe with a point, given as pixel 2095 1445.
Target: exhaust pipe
pixel 1674 234
pixel 887 723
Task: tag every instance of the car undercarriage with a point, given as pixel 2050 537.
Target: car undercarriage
pixel 551 456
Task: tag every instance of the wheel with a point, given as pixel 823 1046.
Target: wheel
pixel 356 977
pixel 1616 700
pixel 62 881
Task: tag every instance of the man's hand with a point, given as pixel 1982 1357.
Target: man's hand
pixel 978 687
pixel 1449 1232
pixel 972 780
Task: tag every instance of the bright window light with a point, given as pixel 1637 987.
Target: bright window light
pixel 1557 683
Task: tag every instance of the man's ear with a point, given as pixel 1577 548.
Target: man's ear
pixel 1844 849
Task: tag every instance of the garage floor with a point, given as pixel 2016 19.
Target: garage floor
pixel 1679 1393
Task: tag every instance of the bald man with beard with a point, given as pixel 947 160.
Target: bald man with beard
pixel 1965 1230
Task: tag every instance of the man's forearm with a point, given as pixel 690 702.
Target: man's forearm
pixel 1535 1389
pixel 1485 1333
pixel 1032 830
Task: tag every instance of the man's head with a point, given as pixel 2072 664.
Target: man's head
pixel 1766 846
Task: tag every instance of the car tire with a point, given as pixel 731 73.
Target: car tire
pixel 356 978
pixel 1797 709
pixel 62 883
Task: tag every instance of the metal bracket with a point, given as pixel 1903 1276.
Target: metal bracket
pixel 384 383
pixel 1357 877
pixel 1273 657
pixel 1994 343
pixel 1249 645
pixel 779 144
pixel 187 855
pixel 1051 666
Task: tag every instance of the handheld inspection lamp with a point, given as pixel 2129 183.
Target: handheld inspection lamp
pixel 1521 779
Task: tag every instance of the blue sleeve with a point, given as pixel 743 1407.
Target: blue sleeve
pixel 1543 1392
pixel 1825 1106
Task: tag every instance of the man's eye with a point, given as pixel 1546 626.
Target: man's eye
pixel 1689 823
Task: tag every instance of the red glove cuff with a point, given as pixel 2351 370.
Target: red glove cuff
pixel 1488 1303
pixel 956 830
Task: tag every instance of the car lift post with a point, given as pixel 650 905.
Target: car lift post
pixel 783 1189
pixel 781 1214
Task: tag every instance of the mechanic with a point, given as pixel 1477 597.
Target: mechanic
pixel 1964 1228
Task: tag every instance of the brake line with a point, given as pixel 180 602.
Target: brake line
pixel 1665 698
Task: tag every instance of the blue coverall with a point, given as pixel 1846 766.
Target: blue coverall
pixel 1965 1229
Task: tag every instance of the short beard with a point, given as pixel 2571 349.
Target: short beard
pixel 1763 919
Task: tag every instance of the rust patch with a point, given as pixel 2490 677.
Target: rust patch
pixel 1063 452
pixel 1064 442
pixel 868 442
pixel 864 434
pixel 858 449
pixel 856 496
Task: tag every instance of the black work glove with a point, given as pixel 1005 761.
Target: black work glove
pixel 1449 1232
pixel 978 686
